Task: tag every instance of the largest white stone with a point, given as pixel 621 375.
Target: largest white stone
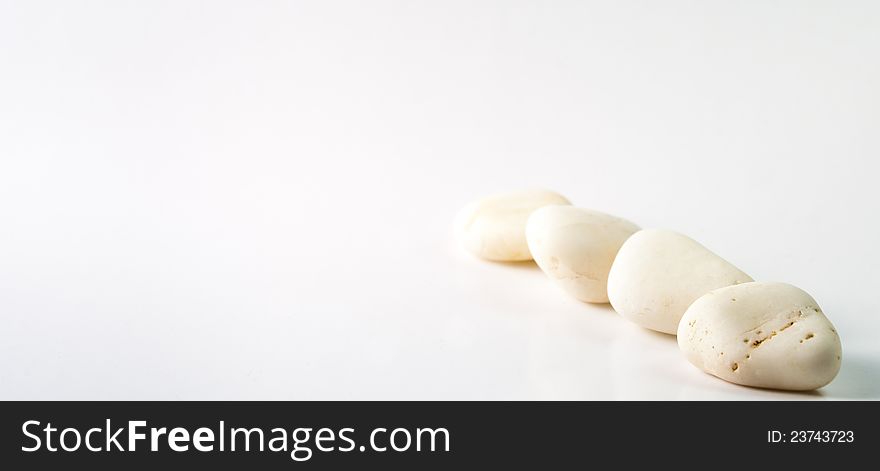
pixel 657 274
pixel 769 335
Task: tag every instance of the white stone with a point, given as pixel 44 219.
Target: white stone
pixel 576 247
pixel 768 335
pixel 494 228
pixel 657 274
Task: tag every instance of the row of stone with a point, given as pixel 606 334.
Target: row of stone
pixel 761 334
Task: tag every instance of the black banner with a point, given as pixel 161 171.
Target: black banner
pixel 419 435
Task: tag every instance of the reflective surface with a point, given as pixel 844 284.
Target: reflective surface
pixel 255 202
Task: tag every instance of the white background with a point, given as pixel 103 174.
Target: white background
pixel 254 200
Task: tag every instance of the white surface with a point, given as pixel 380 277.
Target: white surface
pixel 253 200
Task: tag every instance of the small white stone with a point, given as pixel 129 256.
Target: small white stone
pixel 494 228
pixel 576 247
pixel 768 335
pixel 657 274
